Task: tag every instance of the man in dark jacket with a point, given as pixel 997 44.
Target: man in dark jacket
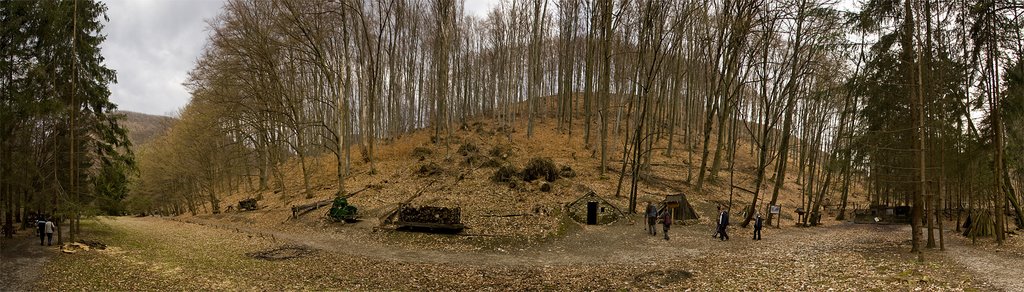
pixel 652 218
pixel 757 227
pixel 41 225
pixel 723 224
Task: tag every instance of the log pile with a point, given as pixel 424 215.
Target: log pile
pixel 430 214
pixel 93 244
pixel 303 209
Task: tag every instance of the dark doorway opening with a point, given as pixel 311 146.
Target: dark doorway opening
pixel 591 213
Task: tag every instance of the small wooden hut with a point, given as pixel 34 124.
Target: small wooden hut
pixel 679 206
pixel 591 209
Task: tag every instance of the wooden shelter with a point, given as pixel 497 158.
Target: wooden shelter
pixel 679 206
pixel 883 214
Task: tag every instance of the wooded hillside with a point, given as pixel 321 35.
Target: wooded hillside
pixel 902 99
pixel 143 128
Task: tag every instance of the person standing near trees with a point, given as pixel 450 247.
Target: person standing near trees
pixel 718 224
pixel 41 229
pixel 48 226
pixel 652 218
pixel 757 226
pixel 723 224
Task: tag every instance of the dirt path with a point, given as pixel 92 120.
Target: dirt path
pixel 618 244
pixel 610 244
pixel 22 260
pixel 792 258
pixel 994 265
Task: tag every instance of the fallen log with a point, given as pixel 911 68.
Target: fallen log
pixel 303 209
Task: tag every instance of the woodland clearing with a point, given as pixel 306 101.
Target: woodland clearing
pixel 159 254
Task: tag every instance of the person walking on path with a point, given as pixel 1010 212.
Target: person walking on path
pixel 723 224
pixel 41 229
pixel 49 232
pixel 666 221
pixel 758 223
pixel 652 219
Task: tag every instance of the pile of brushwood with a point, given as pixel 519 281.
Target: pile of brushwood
pixel 540 168
pixel 430 214
pixel 248 205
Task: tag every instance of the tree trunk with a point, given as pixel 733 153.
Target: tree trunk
pixel 605 79
pixel 787 124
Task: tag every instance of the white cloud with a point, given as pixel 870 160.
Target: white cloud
pixel 152 44
pixel 480 8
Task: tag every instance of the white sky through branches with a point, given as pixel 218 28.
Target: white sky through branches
pixel 152 44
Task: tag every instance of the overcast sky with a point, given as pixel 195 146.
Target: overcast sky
pixel 152 44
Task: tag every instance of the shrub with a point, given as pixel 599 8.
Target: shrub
pixel 490 162
pixel 481 161
pixel 567 171
pixel 467 149
pixel 501 151
pixel 430 169
pixel 421 153
pixel 473 159
pixel 540 168
pixel 505 174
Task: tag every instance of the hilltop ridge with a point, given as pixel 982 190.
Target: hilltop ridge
pixel 143 128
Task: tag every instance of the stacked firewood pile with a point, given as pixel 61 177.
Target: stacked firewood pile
pixel 430 214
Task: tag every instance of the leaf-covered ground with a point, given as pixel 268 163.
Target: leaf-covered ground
pixel 161 254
